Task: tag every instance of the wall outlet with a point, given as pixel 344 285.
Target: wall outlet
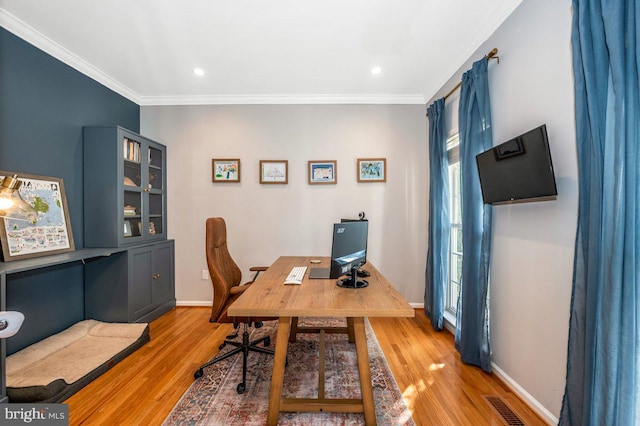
pixel 205 274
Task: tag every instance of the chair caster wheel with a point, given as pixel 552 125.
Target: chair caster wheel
pixel 267 341
pixel 240 388
pixel 198 374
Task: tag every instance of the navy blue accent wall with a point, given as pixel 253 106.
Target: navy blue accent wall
pixel 51 300
pixel 43 106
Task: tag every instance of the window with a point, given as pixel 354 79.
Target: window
pixel 455 249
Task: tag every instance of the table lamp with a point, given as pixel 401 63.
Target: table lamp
pixel 12 206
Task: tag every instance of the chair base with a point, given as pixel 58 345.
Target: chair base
pixel 240 347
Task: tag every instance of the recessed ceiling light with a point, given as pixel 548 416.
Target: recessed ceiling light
pixel 198 71
pixel 376 70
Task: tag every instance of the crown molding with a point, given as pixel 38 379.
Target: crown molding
pixel 281 99
pixel 42 42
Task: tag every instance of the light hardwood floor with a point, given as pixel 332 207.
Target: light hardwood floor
pixel 437 387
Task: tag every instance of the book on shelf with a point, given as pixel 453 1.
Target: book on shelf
pixel 131 150
pixel 136 152
pixel 129 211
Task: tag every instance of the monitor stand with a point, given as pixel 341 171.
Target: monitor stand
pixel 362 273
pixel 352 281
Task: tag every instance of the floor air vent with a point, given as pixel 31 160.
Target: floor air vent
pixel 507 415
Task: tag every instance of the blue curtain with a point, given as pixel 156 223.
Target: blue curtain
pixel 603 363
pixel 437 273
pixel 472 328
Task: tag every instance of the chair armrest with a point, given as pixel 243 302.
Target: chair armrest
pixel 238 289
pixel 257 270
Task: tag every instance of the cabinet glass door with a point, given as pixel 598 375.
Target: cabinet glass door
pixel 155 168
pixel 132 206
pixel 156 193
pixel 155 214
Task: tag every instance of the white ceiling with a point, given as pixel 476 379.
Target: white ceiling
pixel 258 51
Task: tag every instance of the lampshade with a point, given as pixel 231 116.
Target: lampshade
pixel 10 323
pixel 12 206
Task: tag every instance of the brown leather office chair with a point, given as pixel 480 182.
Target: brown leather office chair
pixel 226 277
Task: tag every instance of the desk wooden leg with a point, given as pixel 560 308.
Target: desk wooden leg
pixel 294 330
pixel 363 369
pixel 277 376
pixel 350 330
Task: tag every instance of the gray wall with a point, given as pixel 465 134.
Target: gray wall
pixel 266 221
pixel 532 254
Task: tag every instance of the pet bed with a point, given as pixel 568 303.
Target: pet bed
pixel 55 368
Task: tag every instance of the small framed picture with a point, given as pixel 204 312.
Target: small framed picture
pixel 323 172
pixel 274 171
pixel 372 169
pixel 127 229
pixel 226 170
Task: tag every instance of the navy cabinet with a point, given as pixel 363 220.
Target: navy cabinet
pixel 124 188
pixel 125 206
pixel 136 285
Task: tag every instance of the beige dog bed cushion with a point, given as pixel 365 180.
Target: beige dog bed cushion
pixel 55 368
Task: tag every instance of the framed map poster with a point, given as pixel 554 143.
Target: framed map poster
pixel 51 233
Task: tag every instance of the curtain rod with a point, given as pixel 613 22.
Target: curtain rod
pixel 490 55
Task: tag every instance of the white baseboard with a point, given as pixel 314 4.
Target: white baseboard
pixel 194 303
pixel 525 396
pixel 511 384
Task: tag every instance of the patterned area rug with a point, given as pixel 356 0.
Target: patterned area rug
pixel 213 400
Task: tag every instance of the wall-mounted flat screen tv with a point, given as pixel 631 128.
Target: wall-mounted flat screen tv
pixel 518 170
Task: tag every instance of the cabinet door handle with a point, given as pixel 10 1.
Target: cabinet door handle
pixel 156 276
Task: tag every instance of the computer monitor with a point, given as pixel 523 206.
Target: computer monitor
pixel 361 272
pixel 349 252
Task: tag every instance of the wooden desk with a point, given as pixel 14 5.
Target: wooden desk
pixel 269 296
